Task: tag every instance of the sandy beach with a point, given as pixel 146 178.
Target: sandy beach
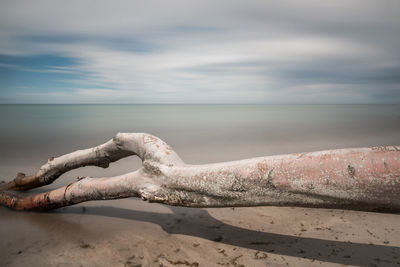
pixel 135 233
pixel 132 232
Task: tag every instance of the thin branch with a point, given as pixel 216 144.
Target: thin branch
pixel 122 145
pixel 127 185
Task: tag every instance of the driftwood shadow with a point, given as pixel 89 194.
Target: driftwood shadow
pixel 199 223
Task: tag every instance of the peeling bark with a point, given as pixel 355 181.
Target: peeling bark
pixel 360 178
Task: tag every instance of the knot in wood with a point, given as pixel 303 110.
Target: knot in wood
pixel 152 168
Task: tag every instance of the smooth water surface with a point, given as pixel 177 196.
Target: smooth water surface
pixel 199 133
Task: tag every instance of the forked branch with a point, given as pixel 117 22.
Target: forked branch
pixel 361 178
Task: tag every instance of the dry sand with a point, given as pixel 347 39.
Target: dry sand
pixel 131 232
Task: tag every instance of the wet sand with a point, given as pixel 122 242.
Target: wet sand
pixel 131 232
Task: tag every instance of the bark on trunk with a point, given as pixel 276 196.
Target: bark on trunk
pixel 360 178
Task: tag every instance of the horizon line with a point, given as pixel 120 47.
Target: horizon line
pixel 200 104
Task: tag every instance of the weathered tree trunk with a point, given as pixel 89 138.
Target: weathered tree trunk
pixel 360 178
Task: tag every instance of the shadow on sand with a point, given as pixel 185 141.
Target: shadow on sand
pixel 199 223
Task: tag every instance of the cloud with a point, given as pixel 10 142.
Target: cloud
pixel 96 92
pixel 203 52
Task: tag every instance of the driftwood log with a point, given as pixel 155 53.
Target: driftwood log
pixel 359 178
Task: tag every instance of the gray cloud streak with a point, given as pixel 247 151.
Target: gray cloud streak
pixel 213 51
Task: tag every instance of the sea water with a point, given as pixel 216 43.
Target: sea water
pixel 30 134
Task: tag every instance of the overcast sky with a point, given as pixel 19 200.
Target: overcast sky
pixel 200 51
